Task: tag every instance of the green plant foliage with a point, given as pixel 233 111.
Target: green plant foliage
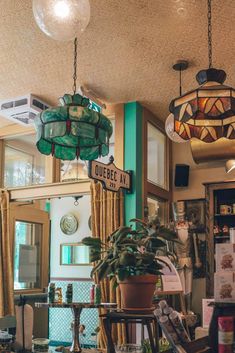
pixel 129 251
pixel 163 345
pixel 146 346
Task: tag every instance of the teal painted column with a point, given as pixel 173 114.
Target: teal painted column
pixel 133 159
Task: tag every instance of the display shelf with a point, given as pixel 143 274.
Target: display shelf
pixel 220 309
pixel 224 215
pixel 216 237
pixel 217 194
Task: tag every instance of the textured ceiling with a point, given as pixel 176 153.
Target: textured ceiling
pixel 125 54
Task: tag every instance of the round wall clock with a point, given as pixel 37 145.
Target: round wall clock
pixel 69 224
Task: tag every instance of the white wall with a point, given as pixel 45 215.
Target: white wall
pixel 60 207
pixel 199 173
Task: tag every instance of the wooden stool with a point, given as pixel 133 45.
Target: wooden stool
pixel 148 320
pixel 198 346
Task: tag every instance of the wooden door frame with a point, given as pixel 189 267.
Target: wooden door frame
pixel 22 212
pixel 2 161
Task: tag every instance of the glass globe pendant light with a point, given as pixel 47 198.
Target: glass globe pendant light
pixel 208 112
pixel 62 19
pixel 229 165
pixel 170 130
pixel 73 130
pixel 180 66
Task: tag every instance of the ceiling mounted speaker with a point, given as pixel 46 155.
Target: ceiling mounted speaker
pixel 181 175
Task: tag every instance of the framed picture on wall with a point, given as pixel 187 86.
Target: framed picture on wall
pixel 195 212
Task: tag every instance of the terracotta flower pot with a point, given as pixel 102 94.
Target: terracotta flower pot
pixel 137 292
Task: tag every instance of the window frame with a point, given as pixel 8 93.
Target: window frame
pixel 166 176
pixel 8 145
pixel 150 189
pixel 29 214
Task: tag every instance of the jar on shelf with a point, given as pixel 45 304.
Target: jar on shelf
pixel 40 345
pixel 216 230
pixel 225 228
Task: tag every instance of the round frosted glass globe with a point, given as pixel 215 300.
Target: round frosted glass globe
pixel 169 128
pixel 62 19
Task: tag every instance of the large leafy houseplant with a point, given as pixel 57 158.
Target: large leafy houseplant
pixel 130 254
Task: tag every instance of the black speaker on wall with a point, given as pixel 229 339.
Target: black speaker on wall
pixel 181 175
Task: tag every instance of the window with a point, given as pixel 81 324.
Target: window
pixel 156 157
pixel 18 169
pixel 157 208
pixel 29 232
pixel 23 164
pixel 27 256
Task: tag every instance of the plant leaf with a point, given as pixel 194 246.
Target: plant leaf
pixel 94 255
pixel 122 233
pixel 90 241
pixel 167 234
pixel 123 273
pixel 96 268
pixel 137 220
pixel 104 271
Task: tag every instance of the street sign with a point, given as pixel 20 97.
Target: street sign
pixel 110 176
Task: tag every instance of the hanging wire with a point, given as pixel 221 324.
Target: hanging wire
pixel 209 33
pixel 180 73
pixel 75 66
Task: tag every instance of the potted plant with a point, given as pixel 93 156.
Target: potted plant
pixel 130 257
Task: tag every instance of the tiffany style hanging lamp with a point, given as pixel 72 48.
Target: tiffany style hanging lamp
pixel 208 112
pixel 73 130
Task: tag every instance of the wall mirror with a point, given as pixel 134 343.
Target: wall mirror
pixel 74 254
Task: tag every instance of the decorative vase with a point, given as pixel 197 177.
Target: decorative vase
pixel 137 293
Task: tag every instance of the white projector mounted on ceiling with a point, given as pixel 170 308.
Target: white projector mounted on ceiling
pixel 23 109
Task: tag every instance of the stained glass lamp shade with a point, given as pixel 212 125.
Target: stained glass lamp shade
pixel 208 112
pixel 73 130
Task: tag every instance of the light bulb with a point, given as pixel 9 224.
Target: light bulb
pixel 61 9
pixel 230 165
pixel 170 131
pixel 62 19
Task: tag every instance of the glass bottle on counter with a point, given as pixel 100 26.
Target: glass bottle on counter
pixel 51 293
pixel 69 293
pixel 58 295
pixel 225 334
pixel 97 294
pixel 92 294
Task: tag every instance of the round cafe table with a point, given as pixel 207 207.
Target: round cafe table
pixel 76 310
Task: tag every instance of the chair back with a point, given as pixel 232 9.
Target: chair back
pixel 9 323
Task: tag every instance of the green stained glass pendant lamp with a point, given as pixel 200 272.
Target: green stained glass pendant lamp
pixel 73 130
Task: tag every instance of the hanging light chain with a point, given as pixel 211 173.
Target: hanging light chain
pixel 75 66
pixel 209 33
pixel 180 73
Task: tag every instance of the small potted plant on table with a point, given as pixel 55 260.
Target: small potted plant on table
pixel 130 257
